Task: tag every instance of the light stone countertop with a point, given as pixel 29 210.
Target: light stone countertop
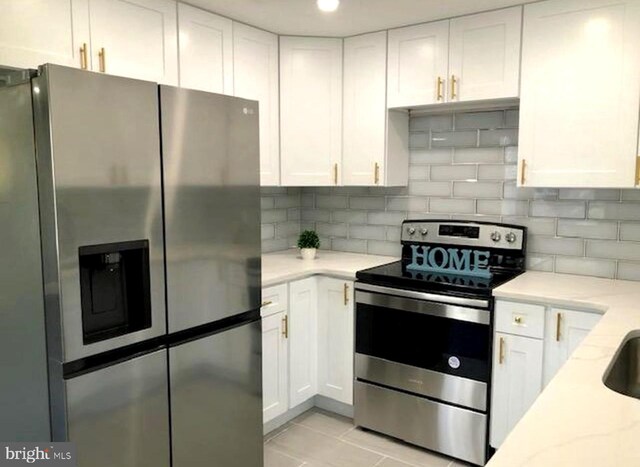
pixel 285 266
pixel 577 420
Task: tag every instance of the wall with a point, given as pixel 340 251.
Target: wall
pixel 463 166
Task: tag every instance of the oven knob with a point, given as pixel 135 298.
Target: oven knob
pixel 510 237
pixel 411 230
pixel 496 236
pixel 424 232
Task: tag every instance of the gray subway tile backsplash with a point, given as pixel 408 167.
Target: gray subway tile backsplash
pixel 467 172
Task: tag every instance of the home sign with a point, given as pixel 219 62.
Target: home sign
pixel 462 261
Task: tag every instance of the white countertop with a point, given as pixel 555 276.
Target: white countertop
pixel 284 266
pixel 577 420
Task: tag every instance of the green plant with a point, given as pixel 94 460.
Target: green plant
pixel 308 239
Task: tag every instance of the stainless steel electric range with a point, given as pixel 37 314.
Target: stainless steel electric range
pixel 424 334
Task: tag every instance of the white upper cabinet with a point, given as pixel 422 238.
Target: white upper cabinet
pixel 370 155
pixel 417 64
pixel 484 55
pixel 580 94
pixel 565 330
pixel 335 334
pixel 206 50
pixel 135 38
pixel 310 111
pixel 43 31
pixel 255 74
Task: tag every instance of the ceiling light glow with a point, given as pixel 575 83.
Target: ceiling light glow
pixel 328 5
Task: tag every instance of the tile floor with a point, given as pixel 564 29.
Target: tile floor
pixel 322 439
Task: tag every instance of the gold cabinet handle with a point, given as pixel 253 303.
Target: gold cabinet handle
pixel 453 87
pixel 285 326
pixel 83 56
pixel 376 173
pixel 501 352
pixel 439 86
pixel 558 326
pixel 638 170
pixel 517 320
pixel 335 173
pixel 266 303
pixel 523 169
pixel 102 60
pixel 346 293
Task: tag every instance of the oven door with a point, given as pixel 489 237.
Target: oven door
pixel 434 349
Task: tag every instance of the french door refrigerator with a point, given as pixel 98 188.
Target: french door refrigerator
pixel 147 363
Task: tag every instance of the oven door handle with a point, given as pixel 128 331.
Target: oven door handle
pixel 449 299
pixel 441 310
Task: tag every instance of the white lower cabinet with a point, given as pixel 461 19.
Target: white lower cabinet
pixel 517 381
pixel 565 330
pixel 531 343
pixel 275 366
pixel 335 339
pixel 303 342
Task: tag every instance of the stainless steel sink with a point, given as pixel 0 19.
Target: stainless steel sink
pixel 623 375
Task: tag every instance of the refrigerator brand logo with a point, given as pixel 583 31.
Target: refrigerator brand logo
pixel 51 454
pixel 450 260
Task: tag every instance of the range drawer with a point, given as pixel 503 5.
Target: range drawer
pixel 520 319
pixel 422 422
pixel 274 300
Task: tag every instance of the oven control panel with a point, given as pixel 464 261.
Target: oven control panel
pixel 472 234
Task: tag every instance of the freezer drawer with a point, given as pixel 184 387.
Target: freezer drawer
pixel 441 427
pixel 216 399
pixel 119 415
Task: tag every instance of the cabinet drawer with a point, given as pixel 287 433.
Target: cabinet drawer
pixel 274 300
pixel 521 319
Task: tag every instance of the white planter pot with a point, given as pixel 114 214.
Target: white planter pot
pixel 308 253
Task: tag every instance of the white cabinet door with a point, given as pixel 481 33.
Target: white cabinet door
pixel 255 74
pixel 35 32
pixel 274 366
pixel 303 341
pixel 517 381
pixel 565 330
pixel 335 339
pixel 484 55
pixel 365 109
pixel 206 50
pixel 310 111
pixel 418 57
pixel 135 38
pixel 580 93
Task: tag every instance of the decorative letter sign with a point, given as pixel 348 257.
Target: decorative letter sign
pixel 450 261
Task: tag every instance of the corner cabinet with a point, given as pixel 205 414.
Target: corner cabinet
pixel 531 343
pixel 580 94
pixel 335 339
pixel 310 111
pixel 206 50
pixel 375 145
pixel 303 342
pixel 255 76
pixel 470 58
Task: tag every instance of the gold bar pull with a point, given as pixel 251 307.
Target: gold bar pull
pixel 266 303
pixel 501 351
pixel 103 60
pixel 346 293
pixel 83 56
pixel 453 87
pixel 558 326
pixel 285 326
pixel 523 170
pixel 439 86
pixel 335 173
pixel 376 173
pixel 638 170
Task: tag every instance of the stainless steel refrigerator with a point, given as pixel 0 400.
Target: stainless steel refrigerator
pixel 142 241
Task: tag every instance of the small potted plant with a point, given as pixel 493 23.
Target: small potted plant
pixel 308 242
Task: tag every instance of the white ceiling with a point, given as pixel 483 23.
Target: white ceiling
pixel 302 17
